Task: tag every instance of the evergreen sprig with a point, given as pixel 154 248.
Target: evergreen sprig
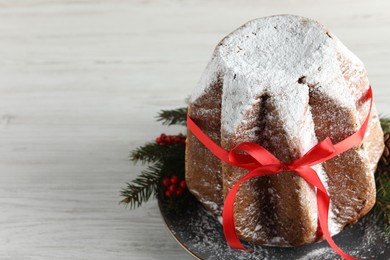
pixel 173 117
pixel 143 187
pixel 164 159
pixel 382 180
pixel 382 206
pixel 385 123
pixel 153 152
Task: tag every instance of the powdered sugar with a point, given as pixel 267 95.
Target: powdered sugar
pixel 210 204
pixel 201 234
pixel 270 55
pixel 282 57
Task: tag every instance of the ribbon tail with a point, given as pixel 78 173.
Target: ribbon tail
pixel 323 202
pixel 229 228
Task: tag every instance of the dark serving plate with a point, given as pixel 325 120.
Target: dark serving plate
pixel 201 235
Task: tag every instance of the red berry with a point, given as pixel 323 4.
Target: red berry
pixel 183 184
pixel 168 139
pixel 179 192
pixel 174 179
pixel 173 188
pixel 168 193
pixel 166 182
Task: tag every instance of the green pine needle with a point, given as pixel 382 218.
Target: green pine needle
pixel 382 206
pixel 142 188
pixel 382 179
pixel 165 160
pixel 385 123
pixel 154 152
pixel 173 117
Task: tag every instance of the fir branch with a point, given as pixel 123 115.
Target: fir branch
pixel 142 188
pixel 382 206
pixel 153 152
pixel 173 117
pixel 382 180
pixel 385 123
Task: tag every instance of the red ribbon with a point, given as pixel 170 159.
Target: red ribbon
pixel 261 162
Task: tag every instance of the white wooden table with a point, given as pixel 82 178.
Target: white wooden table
pixel 80 84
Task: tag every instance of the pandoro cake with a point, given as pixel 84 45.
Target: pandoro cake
pixel 284 82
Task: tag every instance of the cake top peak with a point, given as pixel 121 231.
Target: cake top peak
pixel 286 45
pixel 276 54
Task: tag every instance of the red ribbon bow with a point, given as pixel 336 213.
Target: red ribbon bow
pixel 261 162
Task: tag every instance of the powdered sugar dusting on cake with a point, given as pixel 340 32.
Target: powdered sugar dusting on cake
pixel 333 226
pixel 307 139
pixel 209 77
pixel 238 97
pixel 284 59
pixel 272 53
pixel 263 57
pixel 211 205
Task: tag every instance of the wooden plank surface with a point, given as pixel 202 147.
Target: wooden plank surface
pixel 80 84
